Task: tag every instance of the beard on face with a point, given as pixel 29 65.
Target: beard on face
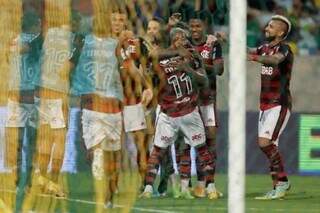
pixel 269 38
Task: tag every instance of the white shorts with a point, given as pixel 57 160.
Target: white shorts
pixel 168 128
pixel 272 122
pixel 134 118
pixel 208 115
pixel 50 112
pixel 21 114
pixel 105 128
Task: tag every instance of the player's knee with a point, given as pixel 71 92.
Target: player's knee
pixel 211 132
pixel 43 162
pixel 264 142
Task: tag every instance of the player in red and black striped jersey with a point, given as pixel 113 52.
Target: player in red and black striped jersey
pixel 180 73
pixel 276 58
pixel 211 54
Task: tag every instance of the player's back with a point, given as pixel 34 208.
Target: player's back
pixel 24 67
pixel 56 52
pixel 97 70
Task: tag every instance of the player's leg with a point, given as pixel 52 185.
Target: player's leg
pixel 44 145
pixel 193 129
pixel 12 139
pixel 93 135
pixel 165 135
pixel 271 124
pixel 167 173
pixel 28 149
pixel 16 121
pixel 209 117
pixel 135 123
pixel 139 138
pixel 184 161
pixel 109 164
pixel 57 156
pixel 13 143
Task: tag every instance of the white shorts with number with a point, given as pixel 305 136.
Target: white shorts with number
pixel 208 115
pixel 20 114
pixel 168 128
pixel 134 118
pixel 104 128
pixel 272 122
pixel 50 112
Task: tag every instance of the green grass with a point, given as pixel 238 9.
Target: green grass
pixel 304 196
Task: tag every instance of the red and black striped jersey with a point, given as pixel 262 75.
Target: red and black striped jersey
pixel 275 79
pixel 178 93
pixel 209 54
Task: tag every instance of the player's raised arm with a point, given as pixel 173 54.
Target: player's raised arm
pixel 267 59
pixel 217 65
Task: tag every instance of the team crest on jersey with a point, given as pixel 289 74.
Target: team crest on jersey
pixel 205 54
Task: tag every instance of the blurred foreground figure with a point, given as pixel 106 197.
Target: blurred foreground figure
pixel 22 117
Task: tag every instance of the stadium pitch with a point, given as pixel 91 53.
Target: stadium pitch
pixel 304 196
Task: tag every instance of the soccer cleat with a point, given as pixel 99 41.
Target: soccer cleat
pixel 267 196
pixel 212 192
pixel 163 185
pixel 199 191
pixel 108 205
pixel 176 191
pixel 163 194
pixel 53 188
pixel 281 189
pixel 147 193
pixel 186 195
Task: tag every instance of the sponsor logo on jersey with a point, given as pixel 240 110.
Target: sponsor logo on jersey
pixel 166 139
pixel 266 70
pixel 196 137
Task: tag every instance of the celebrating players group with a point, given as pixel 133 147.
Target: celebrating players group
pixel 159 88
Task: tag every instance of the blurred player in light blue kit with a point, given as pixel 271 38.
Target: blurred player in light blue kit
pixel 21 119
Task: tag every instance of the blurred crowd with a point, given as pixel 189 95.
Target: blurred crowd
pixel 303 14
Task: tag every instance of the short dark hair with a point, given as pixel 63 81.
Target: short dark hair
pixel 30 19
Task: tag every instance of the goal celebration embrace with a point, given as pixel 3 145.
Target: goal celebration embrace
pixel 159 106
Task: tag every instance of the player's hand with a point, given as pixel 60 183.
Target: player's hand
pixel 252 57
pixel 211 39
pixel 147 96
pixel 184 52
pixel 174 19
pixel 221 36
pixel 124 36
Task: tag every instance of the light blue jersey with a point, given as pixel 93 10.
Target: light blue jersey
pixel 97 70
pixel 56 52
pixel 25 67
